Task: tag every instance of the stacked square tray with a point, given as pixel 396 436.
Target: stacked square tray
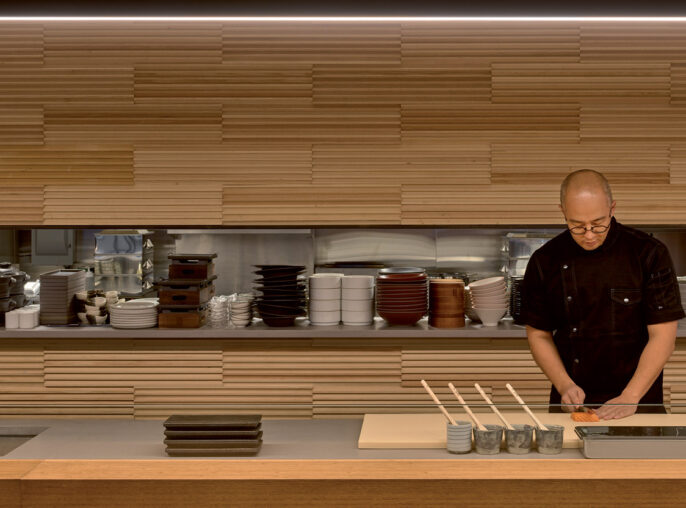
pixel 58 289
pixel 213 435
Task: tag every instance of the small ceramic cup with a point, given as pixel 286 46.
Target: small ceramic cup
pixel 519 440
pixel 459 437
pixel 487 442
pixel 549 442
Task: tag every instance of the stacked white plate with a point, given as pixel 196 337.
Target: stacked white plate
pixel 240 309
pixel 357 299
pixel 489 299
pixel 134 314
pixel 325 299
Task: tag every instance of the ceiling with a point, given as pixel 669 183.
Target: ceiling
pixel 351 7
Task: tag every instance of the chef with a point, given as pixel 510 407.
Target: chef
pixel 601 304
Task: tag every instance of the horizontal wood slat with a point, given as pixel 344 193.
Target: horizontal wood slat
pixel 582 82
pixel 143 378
pixel 124 44
pixel 312 43
pixel 378 84
pixel 224 164
pixel 549 163
pixel 250 110
pixel 64 164
pixel 21 44
pixel 379 165
pixel 225 83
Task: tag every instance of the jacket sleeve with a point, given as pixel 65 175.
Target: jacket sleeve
pixel 661 298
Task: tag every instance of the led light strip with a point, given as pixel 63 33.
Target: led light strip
pixel 347 18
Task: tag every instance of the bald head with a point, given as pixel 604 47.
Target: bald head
pixel 584 182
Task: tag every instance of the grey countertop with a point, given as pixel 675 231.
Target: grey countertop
pixel 103 439
pixel 506 329
pixel 302 329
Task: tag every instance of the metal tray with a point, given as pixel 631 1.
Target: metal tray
pixel 632 442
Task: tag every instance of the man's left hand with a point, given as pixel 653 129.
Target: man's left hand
pixel 611 409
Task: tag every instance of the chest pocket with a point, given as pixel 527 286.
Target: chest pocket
pixel 625 310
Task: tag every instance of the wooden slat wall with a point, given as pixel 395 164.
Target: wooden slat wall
pixel 307 378
pixel 415 123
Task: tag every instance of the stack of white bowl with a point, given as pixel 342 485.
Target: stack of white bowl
pixel 219 311
pixel 240 309
pixel 357 299
pixel 489 298
pixel 325 299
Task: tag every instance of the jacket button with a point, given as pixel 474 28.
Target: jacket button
pixel 626 300
pixel 565 267
pixel 574 330
pixel 569 298
pixel 659 307
pixel 576 360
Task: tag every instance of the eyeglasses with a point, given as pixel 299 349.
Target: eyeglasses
pixel 581 230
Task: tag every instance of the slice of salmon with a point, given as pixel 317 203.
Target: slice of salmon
pixel 588 416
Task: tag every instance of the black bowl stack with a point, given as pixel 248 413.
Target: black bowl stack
pixel 213 435
pixel 516 299
pixel 283 294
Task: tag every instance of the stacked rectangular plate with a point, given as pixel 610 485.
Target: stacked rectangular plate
pixel 213 435
pixel 58 290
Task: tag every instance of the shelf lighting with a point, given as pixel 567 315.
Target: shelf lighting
pixel 350 18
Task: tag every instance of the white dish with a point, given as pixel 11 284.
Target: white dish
pixel 357 281
pixel 325 294
pixel 325 316
pixel 324 305
pixel 484 283
pixel 490 317
pixel 357 293
pixel 324 323
pixel 135 304
pixel 357 305
pixel 365 323
pixel 324 282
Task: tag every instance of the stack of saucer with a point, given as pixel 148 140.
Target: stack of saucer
pixel 213 435
pixel 283 294
pixel 134 314
pixel 325 299
pixel 489 298
pixel 459 437
pixel 240 309
pixel 219 311
pixel 402 295
pixel 58 290
pixel 357 299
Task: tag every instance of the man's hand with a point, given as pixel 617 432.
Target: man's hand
pixel 573 396
pixel 610 411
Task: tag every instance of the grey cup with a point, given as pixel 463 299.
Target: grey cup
pixel 549 442
pixel 487 442
pixel 519 440
pixel 459 437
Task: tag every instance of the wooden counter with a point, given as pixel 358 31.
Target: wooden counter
pixel 487 482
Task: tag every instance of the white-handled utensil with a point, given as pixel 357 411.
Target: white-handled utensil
pixel 495 409
pixel 479 425
pixel 526 408
pixel 438 403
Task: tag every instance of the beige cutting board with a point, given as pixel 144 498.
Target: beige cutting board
pixel 428 430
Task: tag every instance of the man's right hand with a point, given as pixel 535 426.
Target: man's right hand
pixel 573 397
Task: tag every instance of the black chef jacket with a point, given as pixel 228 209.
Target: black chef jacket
pixel 598 304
